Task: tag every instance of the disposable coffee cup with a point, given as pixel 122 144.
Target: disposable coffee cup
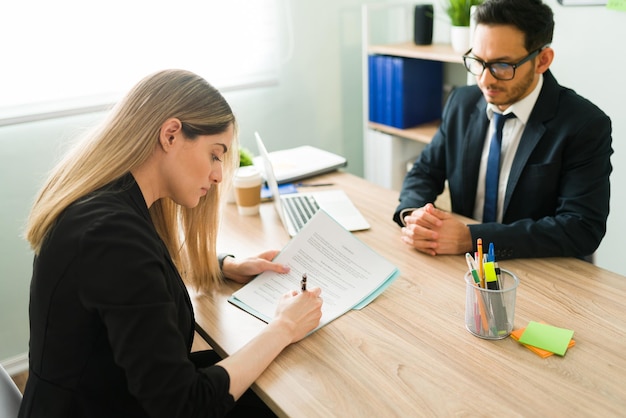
pixel 489 313
pixel 247 184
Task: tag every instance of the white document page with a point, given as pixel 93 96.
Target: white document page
pixel 349 273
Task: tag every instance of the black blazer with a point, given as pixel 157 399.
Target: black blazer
pixel 557 196
pixel 111 320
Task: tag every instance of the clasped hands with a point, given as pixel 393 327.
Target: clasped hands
pixel 436 232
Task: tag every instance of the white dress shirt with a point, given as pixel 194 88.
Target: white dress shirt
pixel 511 136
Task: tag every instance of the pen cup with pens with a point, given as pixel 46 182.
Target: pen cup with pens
pixel 490 311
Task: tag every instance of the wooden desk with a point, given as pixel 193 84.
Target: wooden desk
pixel 408 353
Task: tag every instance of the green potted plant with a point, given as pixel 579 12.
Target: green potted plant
pixel 459 12
pixel 245 157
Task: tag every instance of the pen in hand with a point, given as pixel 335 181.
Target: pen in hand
pixel 303 282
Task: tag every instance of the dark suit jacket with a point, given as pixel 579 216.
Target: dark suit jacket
pixel 557 196
pixel 111 320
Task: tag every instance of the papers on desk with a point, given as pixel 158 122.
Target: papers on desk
pixel 286 188
pixel 349 273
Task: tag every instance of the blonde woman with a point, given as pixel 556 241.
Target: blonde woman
pixel 123 221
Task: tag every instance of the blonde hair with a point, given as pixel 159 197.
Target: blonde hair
pixel 123 142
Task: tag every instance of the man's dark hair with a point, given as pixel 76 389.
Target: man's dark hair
pixel 534 18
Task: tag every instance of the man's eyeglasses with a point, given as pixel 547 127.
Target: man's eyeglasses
pixel 499 70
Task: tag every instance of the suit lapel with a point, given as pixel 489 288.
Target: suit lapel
pixel 544 109
pixel 473 147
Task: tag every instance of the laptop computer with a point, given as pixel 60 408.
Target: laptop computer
pixel 294 210
pixel 301 162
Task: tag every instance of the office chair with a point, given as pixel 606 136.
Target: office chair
pixel 10 395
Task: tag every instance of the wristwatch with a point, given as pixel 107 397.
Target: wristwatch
pixel 220 259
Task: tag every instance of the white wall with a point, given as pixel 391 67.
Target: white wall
pixel 590 59
pixel 27 152
pixel 317 101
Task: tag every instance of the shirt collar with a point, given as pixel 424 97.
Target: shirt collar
pixel 522 108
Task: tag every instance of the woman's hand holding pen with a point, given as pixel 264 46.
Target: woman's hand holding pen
pixel 434 231
pixel 244 270
pixel 299 312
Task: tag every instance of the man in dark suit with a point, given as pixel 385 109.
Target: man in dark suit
pixel 552 194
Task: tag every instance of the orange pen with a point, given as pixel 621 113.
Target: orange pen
pixel 479 262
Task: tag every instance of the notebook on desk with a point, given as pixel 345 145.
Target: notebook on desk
pixel 299 163
pixel 294 210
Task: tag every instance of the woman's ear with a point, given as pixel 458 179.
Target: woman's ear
pixel 170 131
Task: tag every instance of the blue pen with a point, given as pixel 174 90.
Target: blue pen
pixel 491 254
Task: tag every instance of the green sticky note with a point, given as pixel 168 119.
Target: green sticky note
pixel 617 5
pixel 545 336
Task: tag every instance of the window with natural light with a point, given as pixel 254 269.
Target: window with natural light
pixel 71 53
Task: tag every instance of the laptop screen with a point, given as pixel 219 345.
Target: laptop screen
pixel 270 177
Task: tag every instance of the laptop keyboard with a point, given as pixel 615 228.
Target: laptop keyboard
pixel 300 209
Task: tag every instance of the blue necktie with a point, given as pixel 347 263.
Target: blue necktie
pixel 493 168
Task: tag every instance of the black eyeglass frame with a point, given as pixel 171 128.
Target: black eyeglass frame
pixel 490 65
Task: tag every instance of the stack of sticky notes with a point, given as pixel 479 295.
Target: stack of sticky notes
pixel 543 339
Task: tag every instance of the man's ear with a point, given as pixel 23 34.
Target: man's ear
pixel 544 60
pixel 170 132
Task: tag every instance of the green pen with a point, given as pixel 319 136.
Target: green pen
pixel 472 269
pixel 484 318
